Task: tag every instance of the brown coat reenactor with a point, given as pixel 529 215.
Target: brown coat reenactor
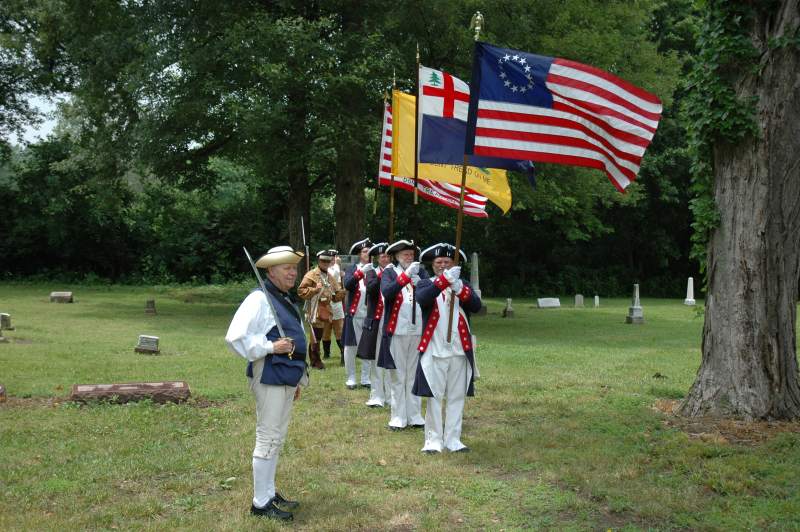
pixel 319 289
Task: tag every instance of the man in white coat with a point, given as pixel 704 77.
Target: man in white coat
pixel 267 330
pixel 446 364
pixel 402 329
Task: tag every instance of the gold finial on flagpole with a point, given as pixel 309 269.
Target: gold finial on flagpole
pixel 476 24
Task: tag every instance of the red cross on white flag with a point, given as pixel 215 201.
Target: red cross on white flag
pixel 442 94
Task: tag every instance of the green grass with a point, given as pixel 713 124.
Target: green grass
pixel 562 429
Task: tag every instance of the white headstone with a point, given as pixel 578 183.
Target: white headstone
pixel 689 292
pixel 548 302
pixel 635 312
pixel 596 301
pixel 147 344
pixel 474 278
pixel 5 322
pixel 508 312
pixel 61 297
pixel 578 300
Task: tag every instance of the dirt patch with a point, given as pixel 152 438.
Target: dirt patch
pixel 26 402
pixel 723 431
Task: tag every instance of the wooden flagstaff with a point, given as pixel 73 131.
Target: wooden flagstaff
pixel 475 24
pixel 416 186
pixel 457 255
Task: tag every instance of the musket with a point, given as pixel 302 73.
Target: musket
pixel 308 269
pixel 305 246
pixel 269 301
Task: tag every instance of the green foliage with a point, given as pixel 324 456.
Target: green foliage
pixel 714 112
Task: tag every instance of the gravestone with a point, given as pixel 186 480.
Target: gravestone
pixel 158 392
pixel 474 281
pixel 508 312
pixel 61 297
pixel 689 292
pixel 5 322
pixel 635 312
pixel 596 301
pixel 150 306
pixel 548 302
pixel 578 300
pixel 2 394
pixel 147 345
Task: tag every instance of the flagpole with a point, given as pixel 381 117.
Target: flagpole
pixel 391 184
pixel 416 185
pixel 457 255
pixel 476 24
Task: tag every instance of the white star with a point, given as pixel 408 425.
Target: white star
pixel 506 57
pixel 522 90
pixel 528 76
pixel 506 83
pixel 530 85
pixel 502 75
pixel 516 57
pixel 521 60
pixel 514 88
pixel 527 68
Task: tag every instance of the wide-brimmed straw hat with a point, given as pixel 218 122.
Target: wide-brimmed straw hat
pixel 279 255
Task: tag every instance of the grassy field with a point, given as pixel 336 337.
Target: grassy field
pixel 563 429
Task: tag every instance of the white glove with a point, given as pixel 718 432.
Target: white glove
pixel 457 286
pixel 412 269
pixel 415 279
pixel 368 267
pixel 452 274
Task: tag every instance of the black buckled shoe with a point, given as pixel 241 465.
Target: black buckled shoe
pixel 286 503
pixel 272 511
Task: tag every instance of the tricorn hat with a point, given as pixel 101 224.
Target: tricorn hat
pixel 356 248
pixel 378 248
pixel 326 254
pixel 442 249
pixel 402 245
pixel 279 255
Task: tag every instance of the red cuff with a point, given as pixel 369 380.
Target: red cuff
pixel 403 279
pixel 358 274
pixel 465 294
pixel 441 282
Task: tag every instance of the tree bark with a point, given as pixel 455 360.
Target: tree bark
pixel 749 365
pixel 349 205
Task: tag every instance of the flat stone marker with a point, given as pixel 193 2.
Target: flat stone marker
pixel 578 300
pixel 689 293
pixel 548 302
pixel 61 297
pixel 635 312
pixel 596 301
pixel 158 392
pixel 5 322
pixel 508 312
pixel 150 306
pixel 147 345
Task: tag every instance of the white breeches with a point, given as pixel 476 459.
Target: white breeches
pixel 406 407
pixel 448 379
pixel 350 357
pixel 381 390
pixel 273 410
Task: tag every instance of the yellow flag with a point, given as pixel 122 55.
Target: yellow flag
pixel 489 182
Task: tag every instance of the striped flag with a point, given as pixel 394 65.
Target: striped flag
pixel 527 106
pixel 438 192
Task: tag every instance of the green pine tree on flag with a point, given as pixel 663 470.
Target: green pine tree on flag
pixel 435 79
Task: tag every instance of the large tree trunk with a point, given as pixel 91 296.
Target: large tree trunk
pixel 749 365
pixel 349 206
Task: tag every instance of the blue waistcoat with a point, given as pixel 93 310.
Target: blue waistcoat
pixel 279 369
